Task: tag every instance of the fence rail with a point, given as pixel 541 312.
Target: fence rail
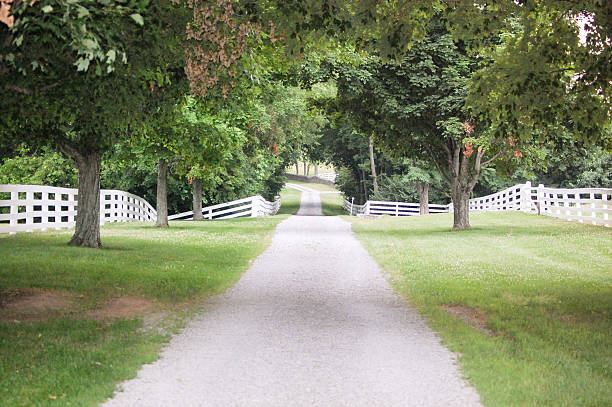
pixel 253 206
pixel 327 176
pixel 26 208
pixel 354 209
pixel 590 205
pixel 400 208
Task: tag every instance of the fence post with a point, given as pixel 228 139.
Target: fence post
pixel 102 207
pixel 254 206
pixel 29 209
pixel 14 209
pixel 526 197
pixel 542 207
pixel 352 203
pixel 367 208
pixel 604 198
pixel 577 198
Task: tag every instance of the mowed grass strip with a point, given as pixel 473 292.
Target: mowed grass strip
pixel 291 199
pixel 525 301
pixel 75 359
pixel 331 205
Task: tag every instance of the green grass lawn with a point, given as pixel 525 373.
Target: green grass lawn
pixel 525 301
pixel 290 201
pixel 331 204
pixel 74 359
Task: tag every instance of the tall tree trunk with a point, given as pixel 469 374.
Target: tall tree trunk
pixel 197 199
pixel 162 193
pixel 461 206
pixel 463 180
pixel 316 169
pixel 423 191
pixel 87 229
pixel 364 187
pixel 297 168
pixel 305 167
pixel 373 165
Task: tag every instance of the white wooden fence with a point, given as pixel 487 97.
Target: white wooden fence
pixel 26 208
pixel 253 206
pixel 590 205
pixel 400 208
pixel 121 206
pixel 327 176
pixel 585 205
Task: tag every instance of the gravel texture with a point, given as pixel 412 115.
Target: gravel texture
pixel 311 323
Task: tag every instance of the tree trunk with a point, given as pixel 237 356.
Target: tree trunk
pixel 87 229
pixel 305 167
pixel 197 199
pixel 461 208
pixel 364 186
pixel 297 168
pixel 462 183
pixel 423 191
pixel 316 169
pixel 162 193
pixel 373 165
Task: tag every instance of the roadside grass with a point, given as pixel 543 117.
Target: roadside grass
pixel 291 199
pixel 74 359
pixel 525 301
pixel 331 204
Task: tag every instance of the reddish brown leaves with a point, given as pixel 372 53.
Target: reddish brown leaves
pixel 218 40
pixel 469 149
pixel 5 13
pixel 467 127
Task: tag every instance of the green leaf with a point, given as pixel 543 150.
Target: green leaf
pixel 110 56
pixel 89 44
pixel 47 9
pixel 82 12
pixel 137 18
pixel 82 64
pixel 19 40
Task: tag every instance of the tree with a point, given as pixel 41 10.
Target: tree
pixel 550 63
pixel 81 111
pixel 43 167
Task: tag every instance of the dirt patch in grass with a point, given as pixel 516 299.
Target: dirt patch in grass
pixel 470 316
pixel 30 305
pixel 34 304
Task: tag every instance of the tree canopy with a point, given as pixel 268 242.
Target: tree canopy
pixel 229 93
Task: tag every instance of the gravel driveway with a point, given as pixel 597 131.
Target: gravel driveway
pixel 311 323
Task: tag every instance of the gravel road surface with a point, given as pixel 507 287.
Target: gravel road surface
pixel 311 323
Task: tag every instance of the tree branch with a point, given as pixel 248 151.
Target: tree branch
pixel 19 89
pixel 26 91
pixel 477 167
pixel 433 158
pixel 491 159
